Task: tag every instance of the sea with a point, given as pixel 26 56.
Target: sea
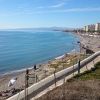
pixel 21 49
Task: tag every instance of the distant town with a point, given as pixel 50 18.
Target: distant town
pixel 92 28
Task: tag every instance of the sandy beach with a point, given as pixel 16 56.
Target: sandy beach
pixel 44 69
pixel 91 41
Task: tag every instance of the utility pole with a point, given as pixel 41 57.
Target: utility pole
pixel 79 57
pixel 79 45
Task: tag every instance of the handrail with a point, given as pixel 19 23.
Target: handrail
pixel 45 83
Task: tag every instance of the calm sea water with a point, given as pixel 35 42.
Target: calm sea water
pixel 22 49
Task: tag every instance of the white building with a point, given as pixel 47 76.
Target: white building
pixel 97 27
pixel 90 28
pixel 84 28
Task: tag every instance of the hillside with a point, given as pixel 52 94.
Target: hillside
pixel 85 86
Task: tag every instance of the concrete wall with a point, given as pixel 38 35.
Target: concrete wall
pixel 43 84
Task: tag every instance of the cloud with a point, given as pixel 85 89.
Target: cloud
pixel 81 9
pixel 30 12
pixel 58 5
pixel 53 6
pixel 68 10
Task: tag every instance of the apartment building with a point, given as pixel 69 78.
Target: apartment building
pixel 97 27
pixel 90 28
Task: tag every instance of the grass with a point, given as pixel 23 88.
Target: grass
pixel 94 73
pixel 85 86
pixel 73 60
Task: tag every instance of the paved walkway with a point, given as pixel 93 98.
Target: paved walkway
pixel 87 67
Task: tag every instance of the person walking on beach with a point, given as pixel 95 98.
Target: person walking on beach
pixel 35 67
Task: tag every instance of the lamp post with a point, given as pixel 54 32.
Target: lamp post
pixel 79 45
pixel 79 57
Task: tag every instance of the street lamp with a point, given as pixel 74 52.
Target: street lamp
pixel 79 57
pixel 79 45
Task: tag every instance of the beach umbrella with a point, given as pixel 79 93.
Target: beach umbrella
pixel 12 82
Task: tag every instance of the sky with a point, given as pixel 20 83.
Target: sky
pixel 48 13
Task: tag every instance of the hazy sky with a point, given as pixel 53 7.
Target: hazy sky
pixel 48 13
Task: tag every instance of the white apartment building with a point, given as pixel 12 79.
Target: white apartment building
pixel 89 28
pixel 84 28
pixel 97 27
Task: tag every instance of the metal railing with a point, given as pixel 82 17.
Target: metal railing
pixel 45 83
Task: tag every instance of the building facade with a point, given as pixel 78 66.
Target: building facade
pixel 89 28
pixel 97 27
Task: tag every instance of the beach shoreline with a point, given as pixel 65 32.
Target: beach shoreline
pixel 20 83
pixel 91 41
pixel 41 68
pixel 15 72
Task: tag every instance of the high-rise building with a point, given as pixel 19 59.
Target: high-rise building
pixel 89 28
pixel 84 28
pixel 97 27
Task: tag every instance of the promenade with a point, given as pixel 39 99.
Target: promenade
pixel 48 83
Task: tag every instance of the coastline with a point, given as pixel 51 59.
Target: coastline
pixel 91 41
pixel 43 70
pixel 16 72
pixel 22 58
pixel 43 67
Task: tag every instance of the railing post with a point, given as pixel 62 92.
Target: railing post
pixel 86 67
pixel 36 78
pixel 26 84
pixel 79 66
pixel 63 87
pixel 55 77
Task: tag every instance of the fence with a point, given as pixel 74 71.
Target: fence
pixel 45 83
